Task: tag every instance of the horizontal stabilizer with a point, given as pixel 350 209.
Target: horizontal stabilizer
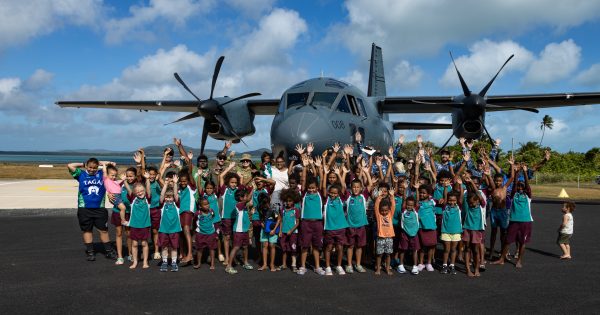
pixel 420 126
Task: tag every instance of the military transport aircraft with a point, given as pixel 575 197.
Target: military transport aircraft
pixel 325 110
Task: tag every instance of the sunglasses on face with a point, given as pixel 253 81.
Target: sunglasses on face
pixel 245 161
pixel 220 158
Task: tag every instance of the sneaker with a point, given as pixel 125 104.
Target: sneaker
pixel 360 269
pixel 120 261
pixel 294 269
pixel 163 267
pixel 301 271
pixel 328 271
pixel 320 271
pixel 349 269
pixel 420 267
pixel 415 270
pixel 91 256
pixel 221 258
pixel 129 258
pixel 400 269
pixel 340 270
pixel 444 269
pixel 230 270
pixel 156 256
pixel 111 254
pixel 248 266
pixel 452 270
pixel 429 267
pixel 174 267
pixel 482 268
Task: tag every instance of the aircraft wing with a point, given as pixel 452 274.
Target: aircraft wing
pixel 259 107
pixel 438 104
pixel 419 126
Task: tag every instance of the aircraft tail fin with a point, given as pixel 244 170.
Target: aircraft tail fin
pixel 376 76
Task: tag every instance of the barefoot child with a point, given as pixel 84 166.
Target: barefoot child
pixel 209 194
pixel 139 222
pixel 156 189
pixel 565 231
pixel 228 186
pixel 206 235
pixel 384 211
pixel 187 203
pixel 169 226
pixel 474 227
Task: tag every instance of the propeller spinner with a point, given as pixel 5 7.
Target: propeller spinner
pixel 211 109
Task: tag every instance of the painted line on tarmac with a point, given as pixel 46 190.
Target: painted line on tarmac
pixel 11 183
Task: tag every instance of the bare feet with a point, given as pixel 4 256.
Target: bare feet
pixel 477 274
pixel 389 272
pixel 378 272
pixel 197 266
pixel 469 273
pixel 519 265
pixel 212 267
pixel 497 262
pixel 565 257
pixel 261 268
pixel 134 265
pixel 145 266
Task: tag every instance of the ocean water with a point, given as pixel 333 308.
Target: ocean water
pixel 64 159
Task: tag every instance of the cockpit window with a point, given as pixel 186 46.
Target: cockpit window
pixel 343 106
pixel 323 99
pixel 296 99
pixel 363 111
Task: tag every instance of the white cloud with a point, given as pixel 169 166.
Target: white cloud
pixel 590 76
pixel 485 58
pixel 357 79
pixel 406 76
pixel 40 78
pixel 139 24
pixel 416 27
pixel 20 21
pixel 556 62
pixel 252 8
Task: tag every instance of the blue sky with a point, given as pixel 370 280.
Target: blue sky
pixel 108 50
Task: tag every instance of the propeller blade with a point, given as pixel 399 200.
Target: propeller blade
pixel 533 110
pixel 226 123
pixel 453 105
pixel 465 88
pixel 190 116
pixel 204 136
pixel 241 97
pixel 178 78
pixel 488 133
pixel 486 88
pixel 216 75
pixel 445 144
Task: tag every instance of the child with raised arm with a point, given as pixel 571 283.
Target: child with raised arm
pixel 290 220
pixel 474 226
pixel 356 207
pixel 261 186
pixel 500 213
pixel 90 206
pixel 519 228
pixel 139 222
pixel 241 226
pixel 156 189
pixel 209 193
pixel 119 216
pixel 384 211
pixel 565 231
pixel 229 184
pixel 335 229
pixel 427 225
pixel 187 203
pixel 206 235
pixel 311 221
pixel 169 226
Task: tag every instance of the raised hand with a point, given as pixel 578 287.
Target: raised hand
pixel 348 149
pixel 401 139
pixel 305 161
pixel 394 179
pixel 511 160
pixel 547 155
pixel 524 167
pixel 429 151
pixel 391 151
pixel 336 147
pixel 123 177
pixel 228 145
pixel 146 175
pixel 231 154
pixel 318 161
pixel 458 180
pixel 345 170
pixel 467 156
pixel 357 136
pixel 137 157
pixel 470 144
pixel 310 148
pixel 420 140
pixel 497 142
pixel 167 151
pixel 487 170
pixel 336 169
pixel 300 149
pixel 177 141
pixel 175 179
pixel 462 140
pixel 378 163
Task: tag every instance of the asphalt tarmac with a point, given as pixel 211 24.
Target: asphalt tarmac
pixel 44 270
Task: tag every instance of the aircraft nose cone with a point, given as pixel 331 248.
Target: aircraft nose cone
pixel 302 127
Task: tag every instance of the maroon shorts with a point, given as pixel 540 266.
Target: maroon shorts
pixel 428 238
pixel 335 237
pixel 409 243
pixel 155 218
pixel 256 224
pixel 289 243
pixel 170 240
pixel 356 236
pixel 186 218
pixel 473 237
pixel 115 218
pixel 139 234
pixel 240 239
pixel 226 226
pixel 311 233
pixel 518 231
pixel 206 241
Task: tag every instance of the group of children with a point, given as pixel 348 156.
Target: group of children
pixel 348 202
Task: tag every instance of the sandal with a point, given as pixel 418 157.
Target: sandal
pixel 120 261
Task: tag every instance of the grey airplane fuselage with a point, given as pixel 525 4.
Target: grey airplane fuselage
pixel 324 111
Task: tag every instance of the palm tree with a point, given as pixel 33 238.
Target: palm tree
pixel 547 122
